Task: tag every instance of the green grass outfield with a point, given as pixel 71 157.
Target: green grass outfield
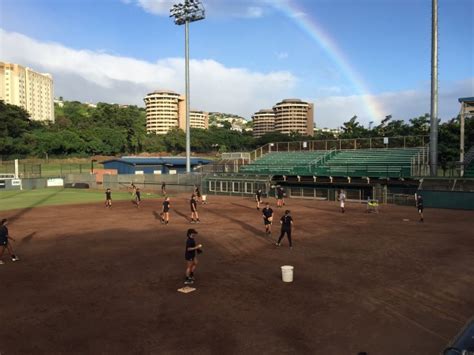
pixel 13 199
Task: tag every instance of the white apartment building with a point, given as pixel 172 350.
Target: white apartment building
pixel 289 115
pixel 166 110
pixel 263 122
pixel 294 115
pixel 21 86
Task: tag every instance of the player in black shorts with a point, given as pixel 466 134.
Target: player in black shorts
pixel 286 226
pixel 258 198
pixel 279 193
pixel 138 197
pixel 108 198
pixel 163 188
pixel 419 206
pixel 165 215
pixel 194 212
pixel 197 192
pixel 190 255
pixel 267 218
pixel 4 244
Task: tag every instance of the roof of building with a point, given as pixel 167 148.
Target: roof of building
pixel 170 161
pixel 466 99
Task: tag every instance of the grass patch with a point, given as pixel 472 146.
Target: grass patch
pixel 15 199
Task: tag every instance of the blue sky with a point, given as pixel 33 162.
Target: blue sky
pixel 250 54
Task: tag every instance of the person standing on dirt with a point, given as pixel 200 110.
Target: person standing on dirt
pixel 286 222
pixel 197 193
pixel 194 212
pixel 138 197
pixel 190 255
pixel 342 200
pixel 267 218
pixel 165 211
pixel 163 188
pixel 108 198
pixel 258 198
pixel 4 244
pixel 419 206
pixel 280 194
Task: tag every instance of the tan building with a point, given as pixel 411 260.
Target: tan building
pixel 198 119
pixel 263 122
pixel 166 110
pixel 294 115
pixel 21 86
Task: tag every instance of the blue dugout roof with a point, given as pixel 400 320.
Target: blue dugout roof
pixel 170 161
pixel 466 99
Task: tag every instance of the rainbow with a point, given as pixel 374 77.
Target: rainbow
pixel 315 31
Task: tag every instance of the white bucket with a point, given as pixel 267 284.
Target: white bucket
pixel 287 273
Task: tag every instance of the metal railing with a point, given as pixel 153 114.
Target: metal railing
pixel 342 144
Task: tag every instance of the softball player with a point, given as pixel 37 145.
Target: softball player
pixel 4 244
pixel 190 255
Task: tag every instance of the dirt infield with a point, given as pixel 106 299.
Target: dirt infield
pixel 95 281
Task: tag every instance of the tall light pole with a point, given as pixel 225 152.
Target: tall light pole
pixel 184 13
pixel 434 91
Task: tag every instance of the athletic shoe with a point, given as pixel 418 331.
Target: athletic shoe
pixel 2 262
pixel 188 281
pixel 16 258
pixel 192 221
pixel 198 221
pixel 277 244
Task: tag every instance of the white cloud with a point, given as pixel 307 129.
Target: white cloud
pixel 254 12
pixel 332 111
pixel 96 76
pixel 156 7
pixel 241 8
pixel 282 55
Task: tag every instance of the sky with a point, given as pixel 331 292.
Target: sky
pixel 369 58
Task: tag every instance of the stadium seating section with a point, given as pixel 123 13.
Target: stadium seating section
pixel 385 163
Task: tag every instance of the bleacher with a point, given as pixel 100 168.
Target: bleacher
pixel 371 162
pixel 380 163
pixel 284 163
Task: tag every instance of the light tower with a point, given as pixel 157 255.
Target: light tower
pixel 184 13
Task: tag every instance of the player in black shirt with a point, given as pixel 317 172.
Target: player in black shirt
pixel 138 197
pixel 165 215
pixel 267 218
pixel 4 244
pixel 280 194
pixel 258 198
pixel 419 206
pixel 197 193
pixel 108 198
pixel 190 255
pixel 194 212
pixel 286 226
pixel 163 188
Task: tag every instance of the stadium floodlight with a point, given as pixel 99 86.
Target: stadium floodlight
pixel 184 13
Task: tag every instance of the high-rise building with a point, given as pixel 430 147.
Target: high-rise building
pixel 21 86
pixel 289 115
pixel 263 122
pixel 166 110
pixel 198 119
pixel 294 115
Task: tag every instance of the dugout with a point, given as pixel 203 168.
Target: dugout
pixel 153 165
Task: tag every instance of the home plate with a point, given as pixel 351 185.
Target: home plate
pixel 406 220
pixel 186 289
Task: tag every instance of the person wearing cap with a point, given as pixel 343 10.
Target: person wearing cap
pixel 286 222
pixel 190 255
pixel 194 211
pixel 165 211
pixel 258 198
pixel 4 244
pixel 419 206
pixel 267 214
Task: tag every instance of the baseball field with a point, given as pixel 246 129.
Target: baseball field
pixel 93 280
